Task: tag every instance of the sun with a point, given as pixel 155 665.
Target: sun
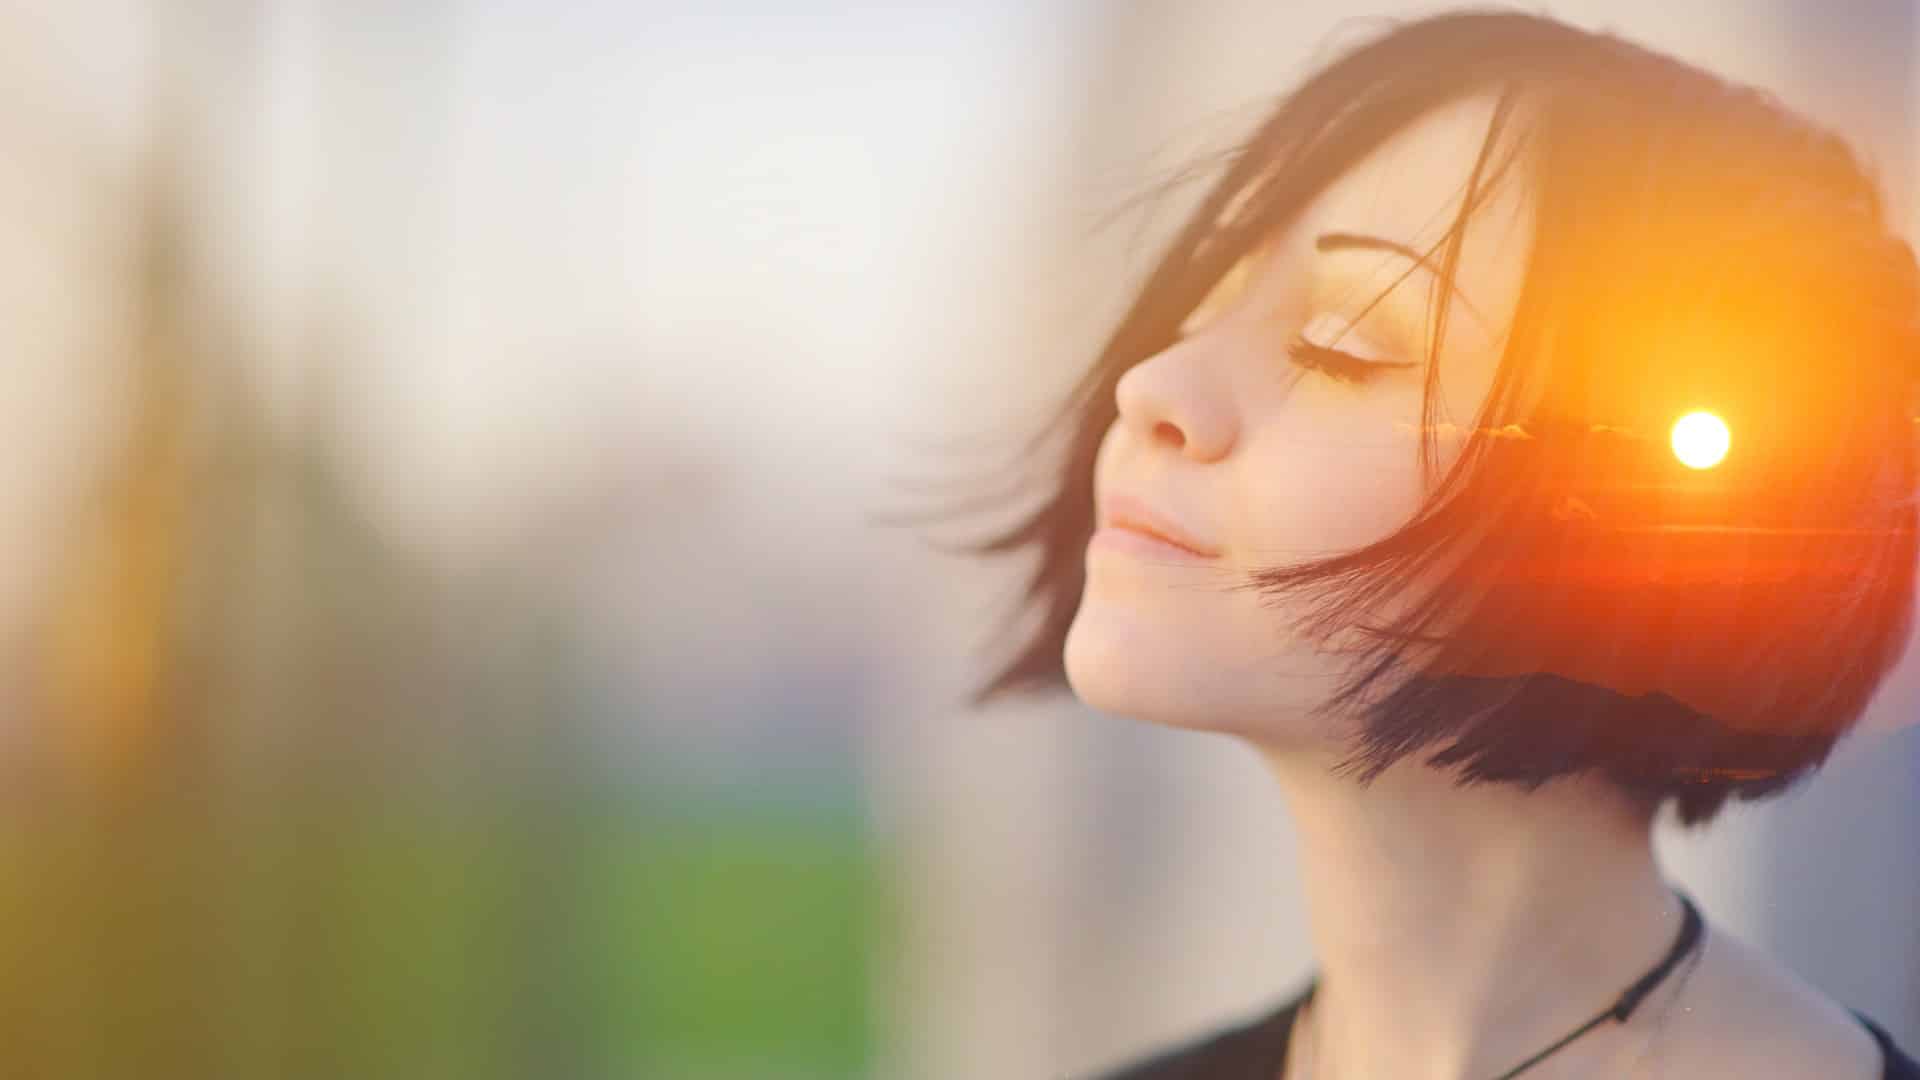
pixel 1700 440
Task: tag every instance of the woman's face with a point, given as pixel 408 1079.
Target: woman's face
pixel 1264 452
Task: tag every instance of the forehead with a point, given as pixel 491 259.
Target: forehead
pixel 1410 190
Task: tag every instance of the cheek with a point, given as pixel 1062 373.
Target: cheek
pixel 1331 477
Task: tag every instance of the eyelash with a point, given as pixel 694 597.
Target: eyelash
pixel 1343 366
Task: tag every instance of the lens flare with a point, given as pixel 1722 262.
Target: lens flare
pixel 1700 440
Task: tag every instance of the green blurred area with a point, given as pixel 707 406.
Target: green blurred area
pixel 291 800
pixel 373 941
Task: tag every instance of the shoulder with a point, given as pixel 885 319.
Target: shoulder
pixel 1254 1046
pixel 1746 1014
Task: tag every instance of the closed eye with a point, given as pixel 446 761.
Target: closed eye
pixel 1338 364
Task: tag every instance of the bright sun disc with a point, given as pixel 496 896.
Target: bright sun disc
pixel 1700 440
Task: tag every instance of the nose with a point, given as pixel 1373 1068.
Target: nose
pixel 1169 400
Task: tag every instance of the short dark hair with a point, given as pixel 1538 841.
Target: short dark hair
pixel 1594 605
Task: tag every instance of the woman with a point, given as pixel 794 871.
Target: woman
pixel 1519 437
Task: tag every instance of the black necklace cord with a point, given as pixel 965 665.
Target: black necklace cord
pixel 1690 931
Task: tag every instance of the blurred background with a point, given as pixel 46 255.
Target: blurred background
pixel 444 624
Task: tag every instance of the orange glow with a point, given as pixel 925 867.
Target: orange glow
pixel 1700 440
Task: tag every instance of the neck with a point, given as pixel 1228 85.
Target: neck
pixel 1460 930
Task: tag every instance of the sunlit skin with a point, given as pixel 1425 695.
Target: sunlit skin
pixel 1700 440
pixel 1456 931
pixel 1272 462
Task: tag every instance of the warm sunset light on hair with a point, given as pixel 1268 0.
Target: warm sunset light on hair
pixel 1700 440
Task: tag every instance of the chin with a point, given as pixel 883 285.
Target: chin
pixel 1144 669
pixel 1144 672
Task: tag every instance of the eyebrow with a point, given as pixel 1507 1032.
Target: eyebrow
pixel 1342 241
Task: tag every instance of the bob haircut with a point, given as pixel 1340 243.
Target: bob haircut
pixel 1589 603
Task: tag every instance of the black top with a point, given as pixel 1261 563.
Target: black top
pixel 1257 1050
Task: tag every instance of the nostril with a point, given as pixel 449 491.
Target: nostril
pixel 1168 433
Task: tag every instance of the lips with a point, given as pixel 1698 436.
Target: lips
pixel 1136 515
